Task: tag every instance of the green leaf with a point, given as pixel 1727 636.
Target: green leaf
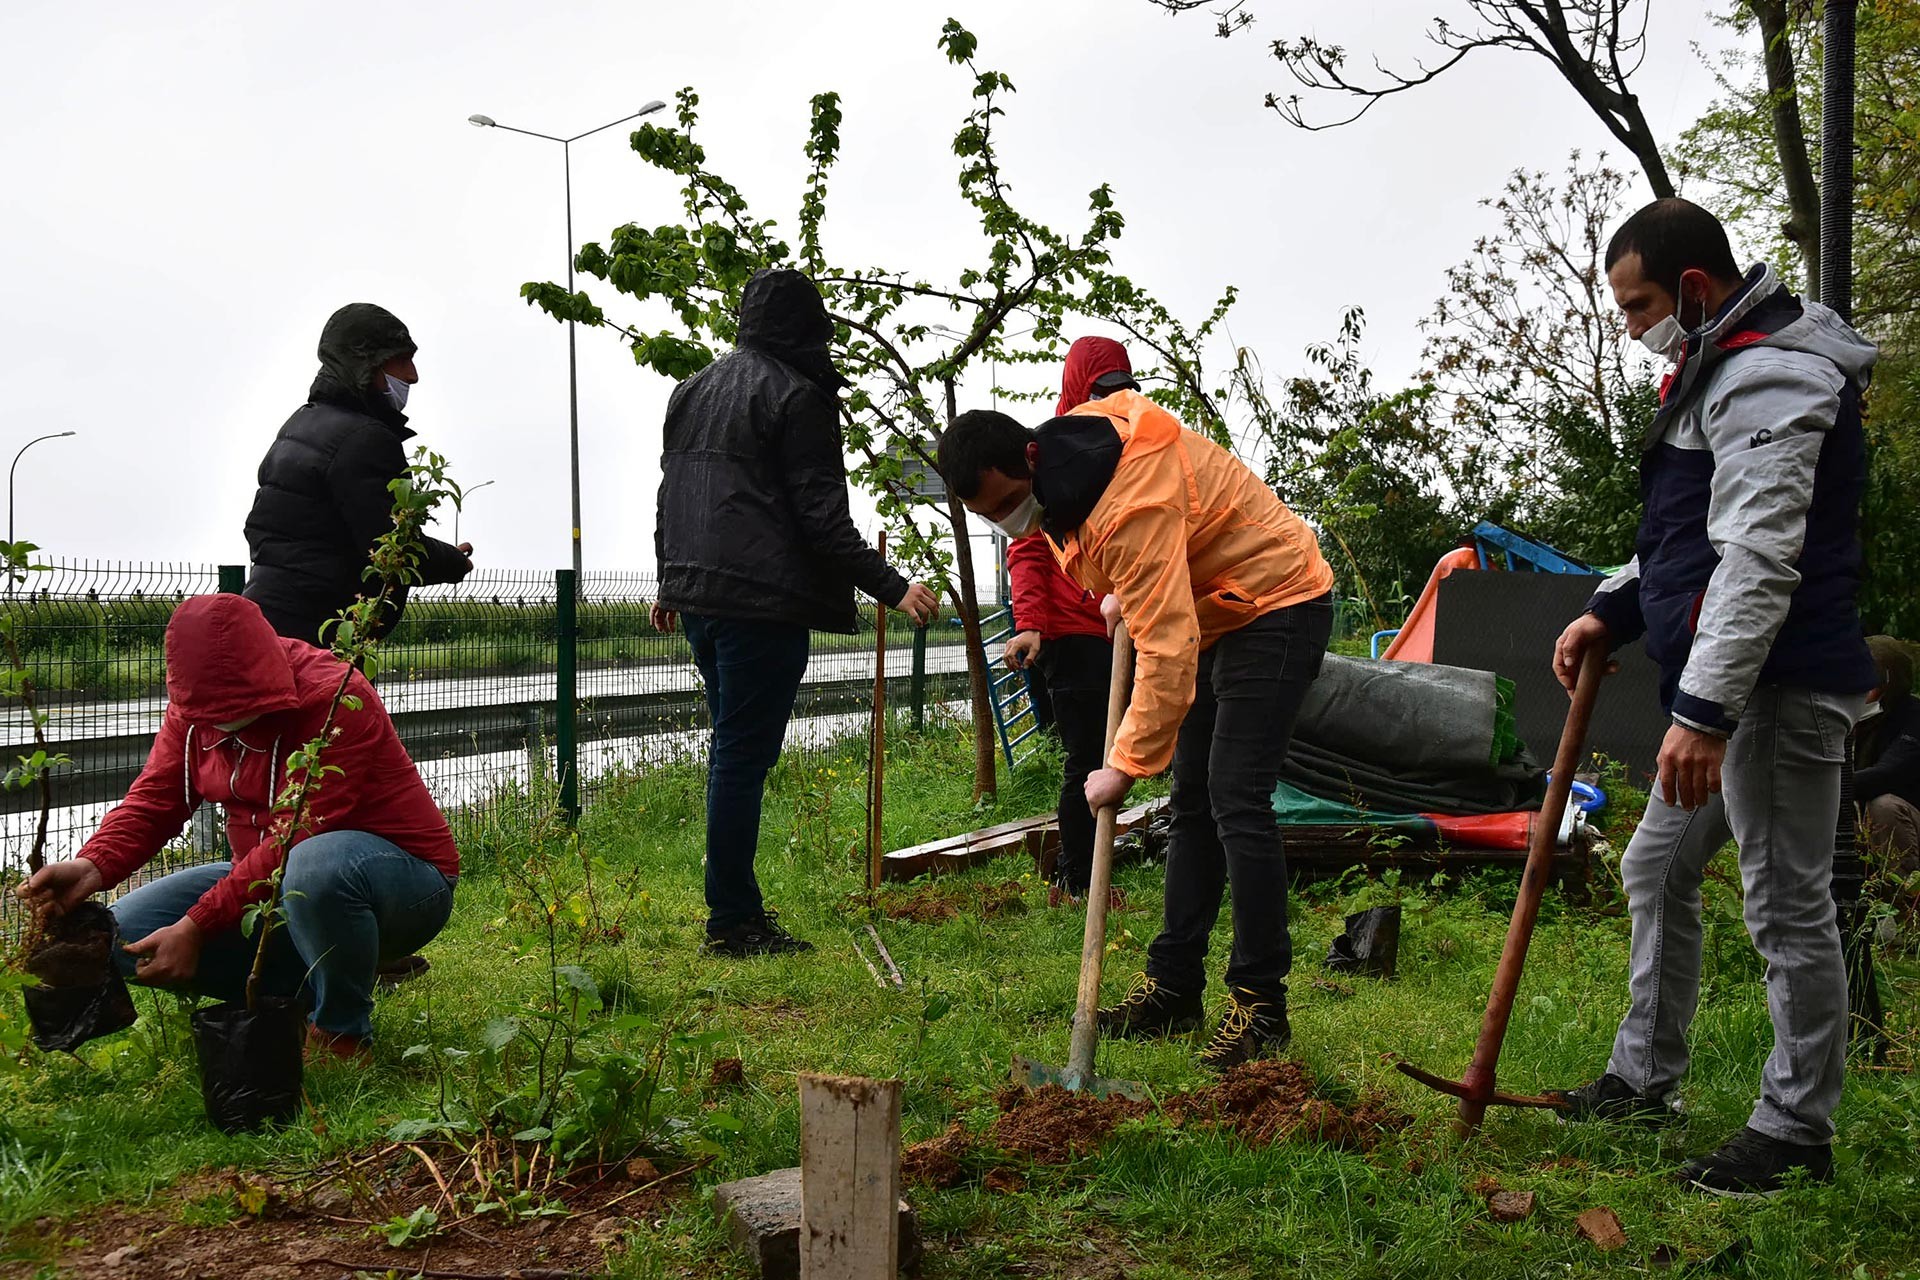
pixel 499 1033
pixel 580 980
pixel 539 1133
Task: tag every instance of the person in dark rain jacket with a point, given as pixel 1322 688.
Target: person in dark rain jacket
pixel 756 545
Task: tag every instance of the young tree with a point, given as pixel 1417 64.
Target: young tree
pixel 1545 398
pixel 906 342
pixel 1595 45
pixel 1361 464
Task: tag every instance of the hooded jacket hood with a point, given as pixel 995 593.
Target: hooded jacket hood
pixel 224 662
pixel 1087 359
pixel 783 316
pixel 357 340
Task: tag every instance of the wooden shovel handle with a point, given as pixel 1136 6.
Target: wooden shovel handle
pixel 1093 946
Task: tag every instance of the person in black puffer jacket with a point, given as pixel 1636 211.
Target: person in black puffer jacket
pixel 755 546
pixel 323 499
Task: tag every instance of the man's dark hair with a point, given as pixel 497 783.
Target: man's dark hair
pixel 1672 236
pixel 978 440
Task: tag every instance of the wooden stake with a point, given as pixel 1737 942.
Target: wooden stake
pixel 849 1178
pixel 877 743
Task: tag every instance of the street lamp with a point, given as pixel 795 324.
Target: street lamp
pixel 573 379
pixel 58 435
pixel 464 495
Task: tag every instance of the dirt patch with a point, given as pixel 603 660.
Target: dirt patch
pixel 238 1227
pixel 727 1075
pixel 1049 1125
pixel 1269 1100
pixel 931 901
pixel 939 1162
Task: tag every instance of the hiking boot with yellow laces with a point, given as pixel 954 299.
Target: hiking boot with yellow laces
pixel 1252 1028
pixel 1150 1009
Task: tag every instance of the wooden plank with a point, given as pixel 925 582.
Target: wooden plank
pixel 849 1178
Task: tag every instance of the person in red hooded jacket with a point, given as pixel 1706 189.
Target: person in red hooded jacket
pixel 371 879
pixel 1062 632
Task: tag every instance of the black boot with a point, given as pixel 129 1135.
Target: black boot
pixel 1752 1166
pixel 1254 1027
pixel 1151 1009
pixel 758 937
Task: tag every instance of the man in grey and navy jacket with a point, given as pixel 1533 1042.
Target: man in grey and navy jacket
pixel 1743 585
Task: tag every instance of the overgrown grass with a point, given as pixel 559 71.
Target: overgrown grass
pixel 124 1120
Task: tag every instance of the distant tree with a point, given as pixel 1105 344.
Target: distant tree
pixel 908 343
pixel 1595 45
pixel 1543 396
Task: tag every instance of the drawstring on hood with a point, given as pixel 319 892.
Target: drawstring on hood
pixel 782 315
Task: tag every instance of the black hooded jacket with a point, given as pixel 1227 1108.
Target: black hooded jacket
pixel 323 500
pixel 752 519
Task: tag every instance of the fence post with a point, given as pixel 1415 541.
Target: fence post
pixel 918 689
pixel 849 1178
pixel 566 585
pixel 233 579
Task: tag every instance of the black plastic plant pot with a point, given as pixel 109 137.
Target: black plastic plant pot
pixel 250 1062
pixel 81 995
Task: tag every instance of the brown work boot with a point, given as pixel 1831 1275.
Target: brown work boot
pixel 325 1046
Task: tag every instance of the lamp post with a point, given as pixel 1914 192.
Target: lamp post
pixel 573 379
pixel 58 435
pixel 464 495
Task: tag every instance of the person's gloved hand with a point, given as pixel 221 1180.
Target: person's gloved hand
pixel 1022 650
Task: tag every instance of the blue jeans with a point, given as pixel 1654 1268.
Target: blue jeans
pixel 353 902
pixel 752 672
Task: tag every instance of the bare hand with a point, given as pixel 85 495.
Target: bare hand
pixel 1106 788
pixel 1022 650
pixel 169 955
pixel 1110 612
pixel 1689 766
pixel 465 549
pixel 663 618
pixel 59 887
pixel 1571 648
pixel 920 604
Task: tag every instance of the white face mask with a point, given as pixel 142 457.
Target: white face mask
pixel 1667 338
pixel 1022 520
pixel 397 392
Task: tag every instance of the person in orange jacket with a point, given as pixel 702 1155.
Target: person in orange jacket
pixel 1229 603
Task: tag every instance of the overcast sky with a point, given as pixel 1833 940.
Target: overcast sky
pixel 189 190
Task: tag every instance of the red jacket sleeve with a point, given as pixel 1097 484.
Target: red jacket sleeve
pixel 157 805
pixel 1029 565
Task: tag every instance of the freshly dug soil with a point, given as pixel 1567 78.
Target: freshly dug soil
pixel 931 901
pixel 1272 1100
pixel 939 1162
pixel 1050 1125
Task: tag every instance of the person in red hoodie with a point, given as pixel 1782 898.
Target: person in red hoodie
pixel 1062 632
pixel 371 880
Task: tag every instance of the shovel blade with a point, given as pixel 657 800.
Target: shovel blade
pixel 1032 1074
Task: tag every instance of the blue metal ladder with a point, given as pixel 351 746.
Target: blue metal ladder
pixel 1013 714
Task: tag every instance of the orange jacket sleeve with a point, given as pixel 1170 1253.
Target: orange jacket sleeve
pixel 1145 557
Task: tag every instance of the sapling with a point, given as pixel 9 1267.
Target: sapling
pixel 354 635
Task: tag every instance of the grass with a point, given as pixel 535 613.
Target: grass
pixel 124 1120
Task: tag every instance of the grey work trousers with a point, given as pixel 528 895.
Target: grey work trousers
pixel 1780 789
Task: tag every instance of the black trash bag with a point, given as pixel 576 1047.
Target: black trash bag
pixel 81 995
pixel 1371 944
pixel 250 1062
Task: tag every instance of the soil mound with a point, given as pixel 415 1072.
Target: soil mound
pixel 1050 1125
pixel 1271 1100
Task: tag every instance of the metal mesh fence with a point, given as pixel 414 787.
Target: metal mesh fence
pixel 470 677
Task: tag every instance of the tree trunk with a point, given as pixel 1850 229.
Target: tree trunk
pixel 1789 138
pixel 985 782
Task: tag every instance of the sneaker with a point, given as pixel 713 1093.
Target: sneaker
pixel 1612 1099
pixel 760 937
pixel 1753 1166
pixel 1150 1009
pixel 1252 1028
